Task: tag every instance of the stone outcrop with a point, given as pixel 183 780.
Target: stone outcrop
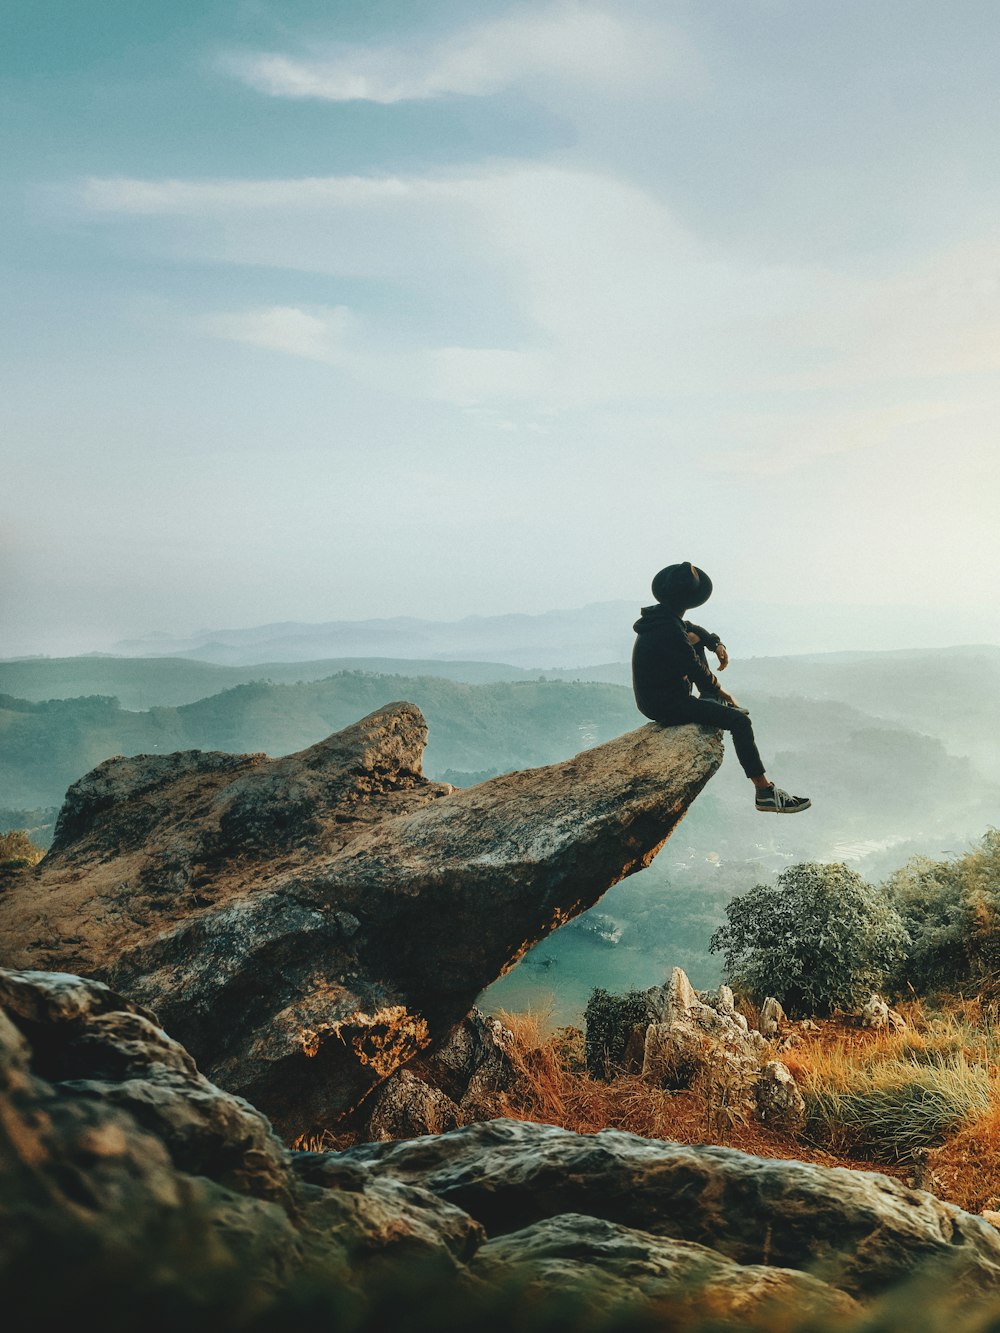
pixel 309 924
pixel 778 1100
pixel 667 1032
pixel 462 1081
pixel 772 1017
pixel 690 1032
pixel 858 1231
pixel 118 1158
pixel 677 1037
pixel 115 1151
pixel 877 1014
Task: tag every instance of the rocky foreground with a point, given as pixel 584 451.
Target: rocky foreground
pixel 116 1150
pixel 307 925
pixel 312 932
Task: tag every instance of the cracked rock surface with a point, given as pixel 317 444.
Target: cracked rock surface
pixel 307 925
pixel 117 1153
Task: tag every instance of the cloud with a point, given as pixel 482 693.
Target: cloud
pixel 322 335
pixel 574 43
pixel 550 288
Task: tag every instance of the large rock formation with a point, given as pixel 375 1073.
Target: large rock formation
pixel 306 925
pixel 122 1167
pixel 859 1231
pixel 118 1156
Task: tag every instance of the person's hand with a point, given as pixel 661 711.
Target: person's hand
pixel 721 654
pixel 693 638
pixel 728 699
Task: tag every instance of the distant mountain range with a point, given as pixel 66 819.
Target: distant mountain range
pixel 582 637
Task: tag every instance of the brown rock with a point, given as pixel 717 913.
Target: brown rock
pixel 618 1264
pixel 464 1080
pixel 779 1102
pixel 116 1153
pixel 856 1230
pixel 307 925
pixel 119 1161
pixel 772 1017
pixel 405 1106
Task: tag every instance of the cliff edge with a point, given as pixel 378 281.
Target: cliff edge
pixel 306 925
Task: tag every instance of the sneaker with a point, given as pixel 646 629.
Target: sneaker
pixel 772 800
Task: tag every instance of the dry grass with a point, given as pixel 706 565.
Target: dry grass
pixel 555 1089
pixel 877 1099
pixel 966 1168
pixel 891 1097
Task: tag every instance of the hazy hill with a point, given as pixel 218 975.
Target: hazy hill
pixel 950 694
pixel 166 682
pixel 871 778
pixel 581 636
pixel 599 632
pixel 881 789
pixel 47 745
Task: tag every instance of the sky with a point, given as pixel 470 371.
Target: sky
pixel 336 310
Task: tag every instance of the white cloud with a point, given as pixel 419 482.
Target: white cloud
pixel 604 296
pixel 322 335
pixel 570 42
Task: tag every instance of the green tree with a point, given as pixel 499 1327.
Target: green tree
pixel 951 910
pixel 818 939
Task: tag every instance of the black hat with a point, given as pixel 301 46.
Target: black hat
pixel 681 587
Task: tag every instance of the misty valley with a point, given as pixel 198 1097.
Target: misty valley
pixel 896 750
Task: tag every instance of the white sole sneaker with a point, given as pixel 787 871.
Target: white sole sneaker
pixel 781 803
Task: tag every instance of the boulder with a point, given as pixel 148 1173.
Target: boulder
pixel 875 1013
pixel 406 1106
pixel 118 1156
pixel 307 925
pixel 690 1035
pixel 124 1168
pixel 462 1081
pixel 779 1102
pixel 859 1231
pixel 772 1017
pixel 616 1265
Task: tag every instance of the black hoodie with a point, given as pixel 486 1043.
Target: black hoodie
pixel 665 665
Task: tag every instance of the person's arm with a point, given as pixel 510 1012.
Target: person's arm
pixel 705 636
pixel 710 640
pixel 694 665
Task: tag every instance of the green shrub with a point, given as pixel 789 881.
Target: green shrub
pixel 817 939
pixel 609 1023
pixel 951 911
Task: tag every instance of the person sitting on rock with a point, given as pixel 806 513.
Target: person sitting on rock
pixel 669 657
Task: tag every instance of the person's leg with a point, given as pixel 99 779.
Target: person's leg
pixel 769 798
pixel 711 714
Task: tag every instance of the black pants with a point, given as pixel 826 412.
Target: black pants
pixel 711 714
